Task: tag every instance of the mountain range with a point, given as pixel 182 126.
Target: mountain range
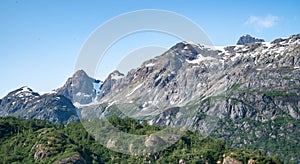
pixel 247 94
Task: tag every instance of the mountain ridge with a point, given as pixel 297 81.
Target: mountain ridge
pixel 247 94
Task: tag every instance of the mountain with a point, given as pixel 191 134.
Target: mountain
pixel 80 88
pixel 26 103
pixel 108 83
pixel 246 94
pixel 246 39
pixel 189 73
pixel 55 106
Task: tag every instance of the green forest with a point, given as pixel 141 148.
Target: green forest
pixel 38 141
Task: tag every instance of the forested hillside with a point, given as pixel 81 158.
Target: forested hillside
pixel 37 141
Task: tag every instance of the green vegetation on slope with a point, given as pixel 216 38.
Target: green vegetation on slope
pixel 36 141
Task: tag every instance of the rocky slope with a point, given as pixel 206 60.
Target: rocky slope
pixel 240 93
pixel 190 73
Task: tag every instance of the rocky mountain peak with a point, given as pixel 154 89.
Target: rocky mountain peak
pixel 23 94
pixel 79 88
pixel 193 52
pixel 246 39
pixel 186 49
pixel 108 83
pixel 26 91
pixel 80 74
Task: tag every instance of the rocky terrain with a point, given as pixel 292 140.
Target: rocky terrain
pixel 246 94
pixel 258 80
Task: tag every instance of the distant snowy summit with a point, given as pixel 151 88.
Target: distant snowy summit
pixel 246 39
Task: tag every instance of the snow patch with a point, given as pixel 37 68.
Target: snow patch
pixel 219 48
pixel 26 89
pixel 137 87
pixel 97 86
pixel 267 44
pixel 190 42
pixel 147 103
pixel 199 59
pixel 82 94
pixel 110 104
pixel 78 105
pixel 86 95
pixel 116 76
pixel 150 65
pixel 47 93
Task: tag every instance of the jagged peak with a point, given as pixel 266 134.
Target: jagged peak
pixel 247 38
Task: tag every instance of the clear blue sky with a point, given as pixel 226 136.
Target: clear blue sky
pixel 40 40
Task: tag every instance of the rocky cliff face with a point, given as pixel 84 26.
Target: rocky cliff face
pixel 246 39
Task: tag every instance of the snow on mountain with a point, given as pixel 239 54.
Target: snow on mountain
pixel 211 89
pixel 189 70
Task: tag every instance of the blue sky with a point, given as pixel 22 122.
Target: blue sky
pixel 40 40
